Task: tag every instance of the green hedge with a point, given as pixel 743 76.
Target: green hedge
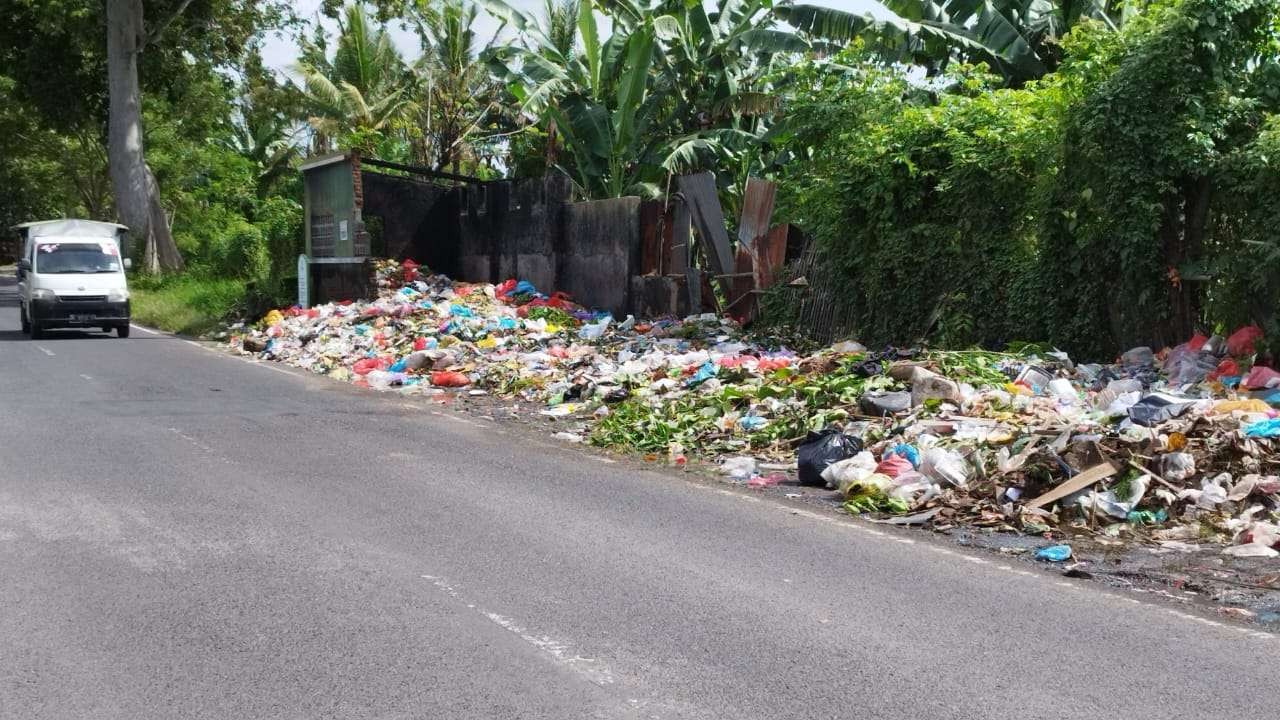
pixel 962 213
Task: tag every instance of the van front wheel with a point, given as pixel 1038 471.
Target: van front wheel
pixel 37 332
pixel 122 331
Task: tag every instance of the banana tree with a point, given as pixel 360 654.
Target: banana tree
pixel 597 98
pixel 1018 38
pixel 698 77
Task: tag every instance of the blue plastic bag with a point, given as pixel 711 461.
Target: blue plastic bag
pixel 705 373
pixel 907 451
pixel 1263 428
pixel 1054 553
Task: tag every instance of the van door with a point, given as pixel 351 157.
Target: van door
pixel 24 276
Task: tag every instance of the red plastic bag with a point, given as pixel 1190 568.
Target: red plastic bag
pixel 1242 340
pixel 505 288
pixel 420 344
pixel 368 365
pixel 1197 341
pixel 410 269
pixel 1226 368
pixel 448 378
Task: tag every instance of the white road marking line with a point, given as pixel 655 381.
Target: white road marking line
pixel 192 440
pixel 86 377
pixel 145 330
pixel 265 365
pixel 592 669
pixel 45 350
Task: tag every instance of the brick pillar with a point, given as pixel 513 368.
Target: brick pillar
pixel 357 181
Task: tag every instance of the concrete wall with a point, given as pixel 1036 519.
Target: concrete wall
pixel 601 247
pixel 492 231
pixel 511 229
pixel 418 220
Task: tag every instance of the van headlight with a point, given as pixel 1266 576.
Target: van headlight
pixel 42 294
pixel 117 295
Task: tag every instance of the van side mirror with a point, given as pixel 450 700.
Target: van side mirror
pixel 24 266
pixel 128 263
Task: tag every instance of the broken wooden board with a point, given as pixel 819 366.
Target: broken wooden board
pixel 742 302
pixel 1075 484
pixel 653 228
pixel 700 196
pixel 682 256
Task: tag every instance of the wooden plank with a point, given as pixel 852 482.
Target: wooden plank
pixel 651 225
pixel 682 256
pixel 699 193
pixel 1075 484
pixel 741 301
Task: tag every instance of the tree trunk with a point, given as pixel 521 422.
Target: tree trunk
pixel 137 194
pixel 1182 237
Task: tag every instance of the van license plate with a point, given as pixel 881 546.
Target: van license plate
pixel 81 318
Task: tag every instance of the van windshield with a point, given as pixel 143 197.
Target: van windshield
pixel 76 258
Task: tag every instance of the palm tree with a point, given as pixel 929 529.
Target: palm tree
pixel 456 96
pixel 359 97
pixel 1018 38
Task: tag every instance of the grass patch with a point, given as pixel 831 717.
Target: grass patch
pixel 183 303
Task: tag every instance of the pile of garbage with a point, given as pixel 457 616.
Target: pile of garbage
pixel 1177 448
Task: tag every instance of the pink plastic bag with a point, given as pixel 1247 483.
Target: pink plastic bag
pixel 894 465
pixel 1261 376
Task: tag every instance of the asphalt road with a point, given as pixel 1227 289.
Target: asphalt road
pixel 184 534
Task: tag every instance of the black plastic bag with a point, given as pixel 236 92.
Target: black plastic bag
pixel 1157 408
pixel 822 449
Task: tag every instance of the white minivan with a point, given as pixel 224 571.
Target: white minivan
pixel 71 275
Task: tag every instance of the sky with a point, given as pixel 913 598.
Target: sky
pixel 282 52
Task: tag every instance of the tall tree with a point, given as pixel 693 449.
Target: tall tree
pixel 90 83
pixel 136 189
